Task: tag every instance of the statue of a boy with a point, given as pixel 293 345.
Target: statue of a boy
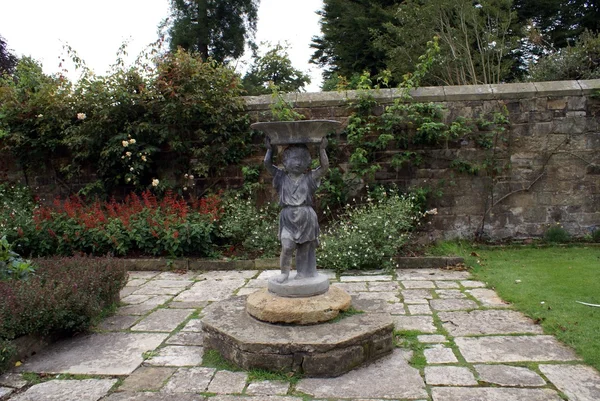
pixel 298 225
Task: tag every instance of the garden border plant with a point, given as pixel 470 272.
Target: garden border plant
pixel 62 297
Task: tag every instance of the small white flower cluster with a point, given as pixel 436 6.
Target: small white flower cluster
pixel 189 181
pixel 81 116
pixel 155 182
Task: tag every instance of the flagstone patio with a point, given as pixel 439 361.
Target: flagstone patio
pixel 469 346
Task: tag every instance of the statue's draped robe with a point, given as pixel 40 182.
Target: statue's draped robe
pixel 297 220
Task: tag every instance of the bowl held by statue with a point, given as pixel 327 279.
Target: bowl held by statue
pixel 296 132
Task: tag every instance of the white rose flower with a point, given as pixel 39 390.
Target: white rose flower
pixel 132 141
pixel 155 182
pixel 81 116
pixel 125 144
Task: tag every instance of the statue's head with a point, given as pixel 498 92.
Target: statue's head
pixel 296 158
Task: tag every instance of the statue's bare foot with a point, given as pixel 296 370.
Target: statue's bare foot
pixel 299 276
pixel 282 278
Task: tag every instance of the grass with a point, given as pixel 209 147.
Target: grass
pixel 545 283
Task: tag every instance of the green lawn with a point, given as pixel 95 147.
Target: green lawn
pixel 544 283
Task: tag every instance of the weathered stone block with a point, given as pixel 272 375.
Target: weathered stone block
pixel 514 91
pixel 558 88
pixel 329 349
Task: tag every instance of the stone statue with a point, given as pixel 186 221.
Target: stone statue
pixel 298 225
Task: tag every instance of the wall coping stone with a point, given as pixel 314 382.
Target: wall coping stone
pixel 525 90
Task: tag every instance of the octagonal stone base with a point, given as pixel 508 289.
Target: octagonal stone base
pixel 272 308
pixel 320 350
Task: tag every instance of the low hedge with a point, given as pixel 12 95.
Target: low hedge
pixel 62 297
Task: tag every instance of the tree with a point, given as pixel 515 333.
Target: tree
pixel 476 40
pixel 560 22
pixel 217 29
pixel 348 27
pixel 8 61
pixel 273 68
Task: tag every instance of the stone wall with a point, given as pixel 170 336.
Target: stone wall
pixel 553 152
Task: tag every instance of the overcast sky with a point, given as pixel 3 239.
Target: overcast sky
pixel 38 28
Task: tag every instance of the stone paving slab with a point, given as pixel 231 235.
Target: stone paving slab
pixel 387 286
pixel 189 276
pixel 389 377
pixel 194 325
pixel 416 294
pixel 136 282
pixel 493 394
pixel 432 338
pixel 452 304
pixel 447 285
pixel 450 294
pixel 481 322
pixel 417 284
pixel 67 390
pixel 190 380
pixel 14 380
pixel 352 288
pixel 514 349
pixel 472 284
pixel 424 324
pixel 95 354
pixel 352 279
pixel 431 274
pixel 227 275
pixel 186 338
pixel 511 376
pixel 149 396
pixel 144 307
pixel 4 391
pixel 419 309
pixel 149 378
pixel 254 398
pixel 268 387
pixel 488 298
pixel 210 290
pixel 177 355
pixel 146 275
pixel 165 320
pixel 449 376
pixel 439 354
pixel 225 382
pixel 578 382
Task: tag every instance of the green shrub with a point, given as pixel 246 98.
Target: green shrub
pixel 368 236
pixel 173 115
pixel 63 297
pixel 244 227
pixel 12 266
pixel 556 234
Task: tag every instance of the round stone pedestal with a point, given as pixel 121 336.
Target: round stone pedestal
pixel 269 307
pixel 319 350
pixel 305 287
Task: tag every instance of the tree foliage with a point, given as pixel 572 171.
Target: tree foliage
pixel 476 39
pixel 273 68
pixel 8 61
pixel 581 61
pixel 348 27
pixel 219 29
pixel 560 22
